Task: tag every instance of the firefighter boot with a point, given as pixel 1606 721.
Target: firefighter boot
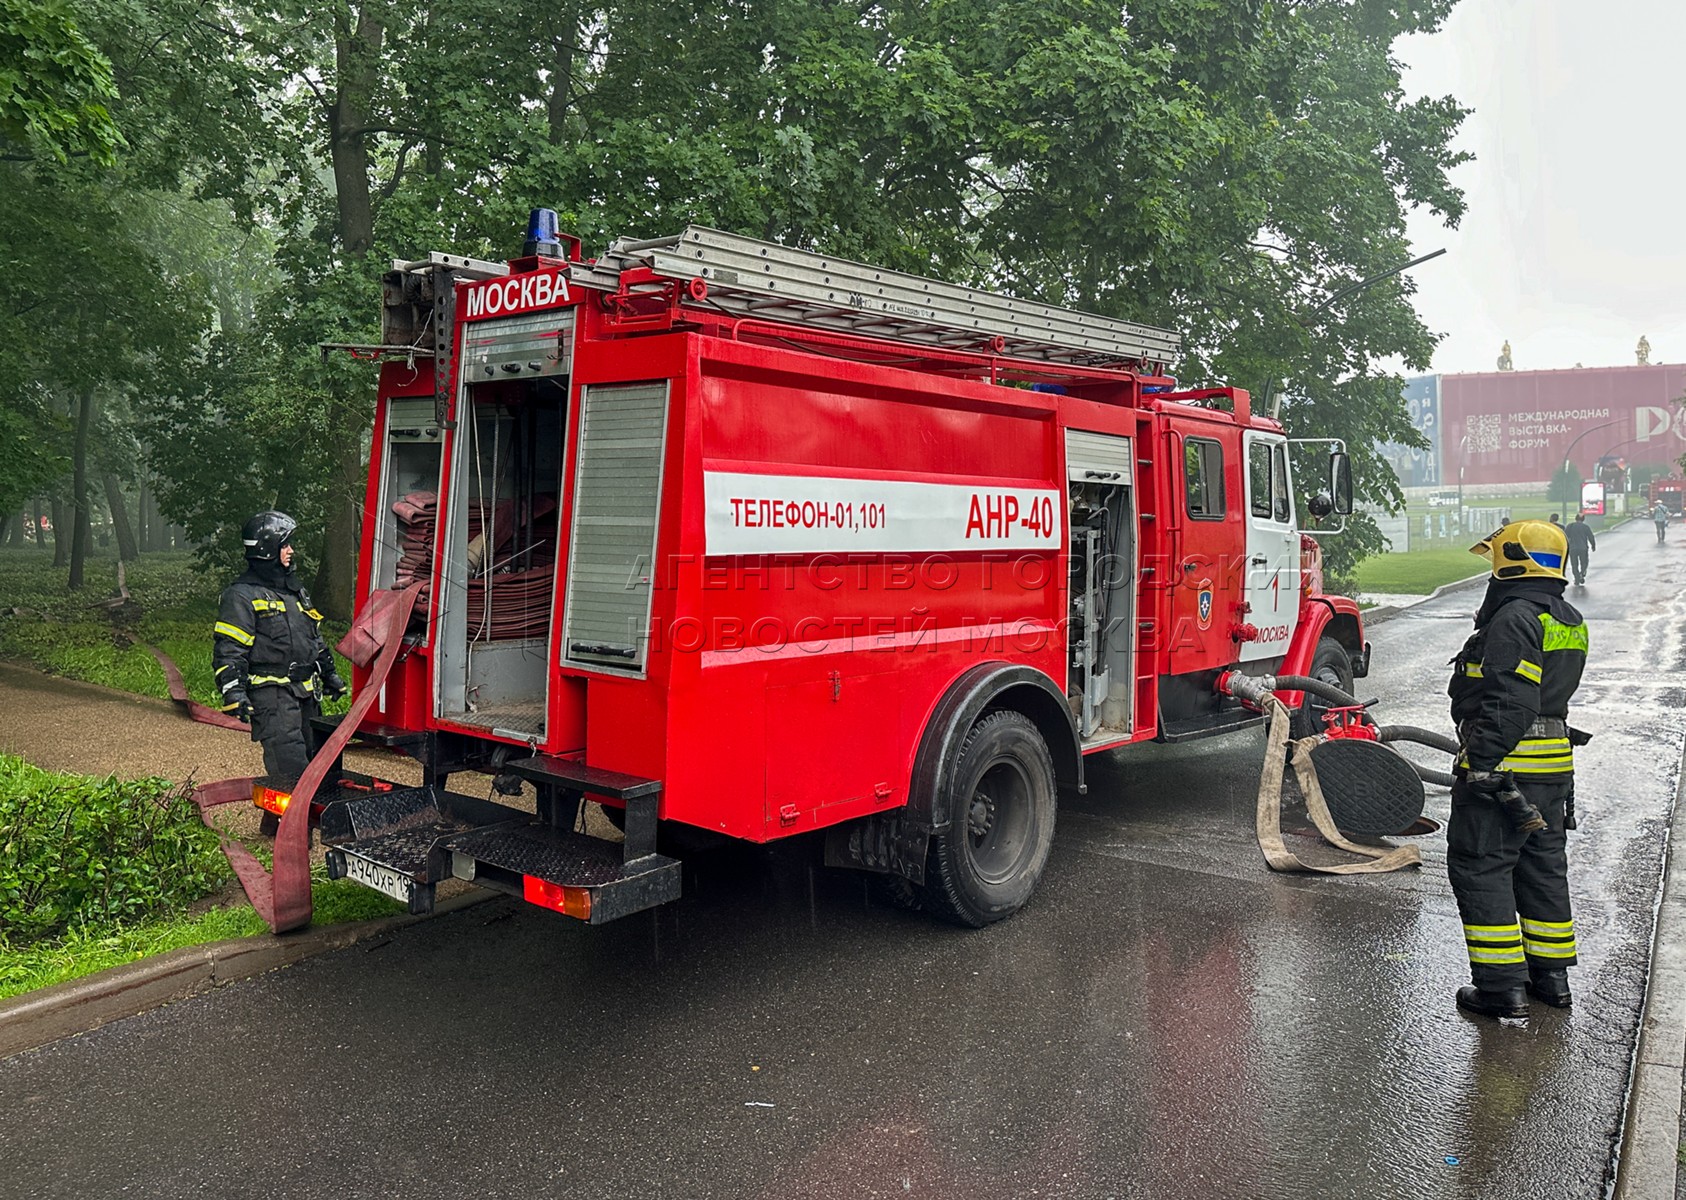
pixel 1507 1003
pixel 1550 987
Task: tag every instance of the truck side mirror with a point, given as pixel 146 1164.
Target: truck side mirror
pixel 1340 481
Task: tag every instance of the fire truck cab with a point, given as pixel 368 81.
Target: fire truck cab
pixel 729 536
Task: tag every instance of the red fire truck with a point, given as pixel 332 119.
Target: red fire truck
pixel 1670 492
pixel 724 535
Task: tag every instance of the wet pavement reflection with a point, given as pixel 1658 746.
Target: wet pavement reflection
pixel 1166 1019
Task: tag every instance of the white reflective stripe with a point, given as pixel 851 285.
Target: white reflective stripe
pixel 1510 954
pixel 235 632
pixel 817 514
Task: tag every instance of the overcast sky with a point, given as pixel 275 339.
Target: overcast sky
pixel 1573 244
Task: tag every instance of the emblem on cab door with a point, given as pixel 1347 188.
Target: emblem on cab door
pixel 1205 602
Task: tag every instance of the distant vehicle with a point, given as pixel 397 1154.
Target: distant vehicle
pixel 1671 492
pixel 1443 499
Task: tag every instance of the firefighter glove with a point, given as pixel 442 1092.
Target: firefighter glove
pixel 333 686
pixel 236 705
pixel 1498 787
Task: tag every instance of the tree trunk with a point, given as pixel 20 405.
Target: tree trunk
pixel 61 535
pixel 157 537
pixel 335 586
pixel 38 510
pixel 357 59
pixel 357 62
pixel 16 534
pixel 565 32
pixel 127 548
pixel 79 488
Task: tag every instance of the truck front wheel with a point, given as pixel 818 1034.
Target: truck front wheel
pixel 1331 664
pixel 1001 824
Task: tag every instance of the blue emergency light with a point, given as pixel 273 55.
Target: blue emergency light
pixel 541 234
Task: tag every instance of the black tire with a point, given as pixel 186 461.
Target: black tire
pixel 1003 804
pixel 1331 664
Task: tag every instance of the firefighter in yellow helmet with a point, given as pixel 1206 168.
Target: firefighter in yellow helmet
pixel 1514 784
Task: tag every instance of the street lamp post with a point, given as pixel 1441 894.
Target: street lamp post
pixel 1568 455
pixel 1463 461
pixel 1270 384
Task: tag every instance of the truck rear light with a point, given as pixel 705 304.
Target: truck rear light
pixel 570 901
pixel 271 800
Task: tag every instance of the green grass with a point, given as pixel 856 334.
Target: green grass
pixel 57 632
pixel 90 949
pixel 1417 573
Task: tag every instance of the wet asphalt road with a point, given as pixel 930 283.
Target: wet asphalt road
pixel 1166 1019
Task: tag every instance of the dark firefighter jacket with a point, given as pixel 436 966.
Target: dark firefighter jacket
pixel 1580 537
pixel 267 636
pixel 1522 663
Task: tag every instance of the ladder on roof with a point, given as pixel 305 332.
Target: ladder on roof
pixel 748 277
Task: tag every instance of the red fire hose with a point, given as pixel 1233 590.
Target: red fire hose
pixel 283 899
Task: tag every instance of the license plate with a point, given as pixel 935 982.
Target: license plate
pixel 382 878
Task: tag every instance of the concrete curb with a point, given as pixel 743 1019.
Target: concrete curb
pixel 1386 612
pixel 1648 1165
pixel 80 1005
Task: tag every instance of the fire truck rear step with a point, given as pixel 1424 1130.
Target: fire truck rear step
pixel 391 840
pixel 403 842
pixel 584 876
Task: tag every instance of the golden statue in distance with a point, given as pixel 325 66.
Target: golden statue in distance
pixel 1504 358
pixel 1644 351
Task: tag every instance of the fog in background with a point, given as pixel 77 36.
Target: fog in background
pixel 1572 246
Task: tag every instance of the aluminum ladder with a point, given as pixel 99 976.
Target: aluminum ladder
pixel 751 278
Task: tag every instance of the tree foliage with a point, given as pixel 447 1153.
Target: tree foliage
pixel 1216 166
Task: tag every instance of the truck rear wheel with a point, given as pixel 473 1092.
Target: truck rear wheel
pixel 985 866
pixel 1333 665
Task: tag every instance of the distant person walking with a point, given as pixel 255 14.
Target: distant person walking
pixel 1581 541
pixel 1660 516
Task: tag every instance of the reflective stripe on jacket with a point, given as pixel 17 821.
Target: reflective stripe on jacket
pixel 267 637
pixel 1525 663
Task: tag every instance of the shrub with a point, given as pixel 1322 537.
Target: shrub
pixel 75 850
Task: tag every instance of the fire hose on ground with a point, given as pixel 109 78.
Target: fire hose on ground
pixel 282 899
pixel 1384 733
pixel 1377 791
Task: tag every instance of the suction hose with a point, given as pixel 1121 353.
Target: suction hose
pixel 1254 689
pixel 1319 688
pixel 1427 737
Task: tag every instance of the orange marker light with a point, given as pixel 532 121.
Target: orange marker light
pixel 271 800
pixel 570 901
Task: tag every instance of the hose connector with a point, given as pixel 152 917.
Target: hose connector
pixel 1249 689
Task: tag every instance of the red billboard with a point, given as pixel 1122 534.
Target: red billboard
pixel 1520 426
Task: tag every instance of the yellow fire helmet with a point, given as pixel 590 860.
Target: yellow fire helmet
pixel 1525 549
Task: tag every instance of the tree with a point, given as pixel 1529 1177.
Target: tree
pixel 1220 168
pixel 55 86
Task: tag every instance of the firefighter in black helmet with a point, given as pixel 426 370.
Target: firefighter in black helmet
pixel 1514 783
pixel 270 661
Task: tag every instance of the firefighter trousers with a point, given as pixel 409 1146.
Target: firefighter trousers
pixel 281 721
pixel 1512 888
